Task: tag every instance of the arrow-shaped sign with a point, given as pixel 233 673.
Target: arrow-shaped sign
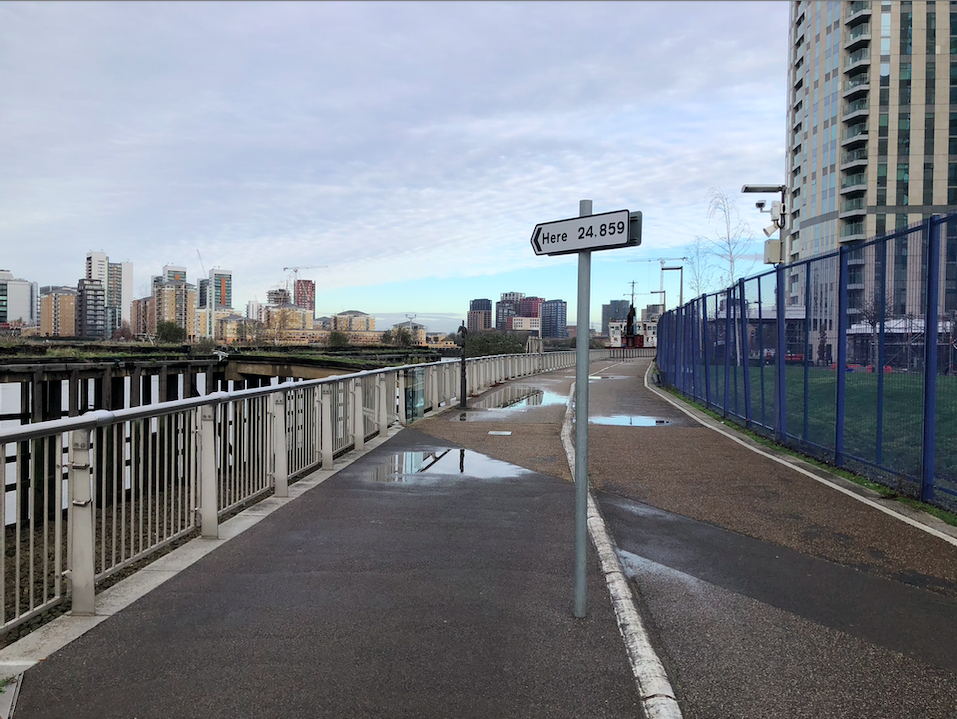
pixel 592 232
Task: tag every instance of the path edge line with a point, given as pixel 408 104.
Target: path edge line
pixel 656 694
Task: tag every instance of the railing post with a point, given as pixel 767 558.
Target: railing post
pixel 400 382
pixel 358 414
pixel 82 571
pixel 841 357
pixel 434 387
pixel 383 408
pixel 932 230
pixel 279 446
pixel 325 409
pixel 780 387
pixel 208 473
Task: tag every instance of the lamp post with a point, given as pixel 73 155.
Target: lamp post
pixel 411 336
pixel 681 282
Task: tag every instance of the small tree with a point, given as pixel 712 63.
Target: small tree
pixel 124 332
pixel 170 332
pixel 387 337
pixel 337 339
pixel 698 263
pixel 402 337
pixel 731 234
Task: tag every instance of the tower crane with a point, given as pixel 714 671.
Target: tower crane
pixel 295 270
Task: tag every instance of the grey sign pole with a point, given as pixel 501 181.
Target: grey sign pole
pixel 581 420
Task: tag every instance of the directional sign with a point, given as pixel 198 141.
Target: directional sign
pixel 593 232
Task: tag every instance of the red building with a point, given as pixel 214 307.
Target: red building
pixel 305 295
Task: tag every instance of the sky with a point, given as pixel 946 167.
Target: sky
pixel 403 151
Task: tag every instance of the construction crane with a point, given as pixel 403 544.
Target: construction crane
pixel 295 270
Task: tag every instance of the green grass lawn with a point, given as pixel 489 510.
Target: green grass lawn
pixel 902 413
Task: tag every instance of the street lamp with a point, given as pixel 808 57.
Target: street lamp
pixel 664 298
pixel 411 336
pixel 681 281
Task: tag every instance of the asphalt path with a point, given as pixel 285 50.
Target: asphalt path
pixel 422 580
pixel 768 593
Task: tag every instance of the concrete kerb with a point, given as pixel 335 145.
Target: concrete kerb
pixel 654 688
pixel 917 519
pixel 18 657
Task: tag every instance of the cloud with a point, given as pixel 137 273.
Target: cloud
pixel 384 140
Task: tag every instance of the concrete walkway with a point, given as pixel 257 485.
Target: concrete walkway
pixel 423 580
pixel 427 579
pixel 770 594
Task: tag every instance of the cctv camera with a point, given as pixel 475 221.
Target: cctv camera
pixel 760 204
pixel 770 230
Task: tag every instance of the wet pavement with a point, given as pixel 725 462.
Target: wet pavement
pixel 768 593
pixel 423 580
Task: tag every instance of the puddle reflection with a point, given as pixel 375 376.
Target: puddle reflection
pixel 520 397
pixel 625 420
pixel 427 467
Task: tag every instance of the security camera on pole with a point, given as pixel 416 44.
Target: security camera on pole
pixel 583 234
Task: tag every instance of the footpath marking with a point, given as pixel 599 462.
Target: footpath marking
pixel 780 460
pixel 654 688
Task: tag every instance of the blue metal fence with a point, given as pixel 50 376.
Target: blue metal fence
pixel 836 356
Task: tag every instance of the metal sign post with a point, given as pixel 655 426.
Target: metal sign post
pixel 583 234
pixel 582 340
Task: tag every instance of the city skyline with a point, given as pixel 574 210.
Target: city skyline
pixel 418 171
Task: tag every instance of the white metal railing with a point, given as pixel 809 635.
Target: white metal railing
pixel 88 496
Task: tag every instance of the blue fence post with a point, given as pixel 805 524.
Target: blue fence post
pixel 881 355
pixel 841 357
pixel 727 352
pixel 694 328
pixel 706 349
pixel 679 350
pixel 932 232
pixel 780 386
pixel 807 349
pixel 744 351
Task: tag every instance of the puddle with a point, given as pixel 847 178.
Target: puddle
pixel 593 377
pixel 520 398
pixel 633 420
pixel 432 467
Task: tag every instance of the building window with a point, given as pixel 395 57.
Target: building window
pixel 907 29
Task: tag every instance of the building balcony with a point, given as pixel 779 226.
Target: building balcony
pixel 857 58
pixel 855 207
pixel 854 158
pixel 856 85
pixel 856 109
pixel 855 134
pixel 852 233
pixel 854 183
pixel 857 12
pixel 857 36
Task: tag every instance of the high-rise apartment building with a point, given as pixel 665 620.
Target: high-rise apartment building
pixel 555 319
pixel 478 320
pixel 278 296
pixel 117 280
pixel 18 300
pixel 480 305
pixel 614 310
pixel 506 308
pixel 305 294
pixel 872 120
pixel 173 273
pixel 57 312
pixel 176 302
pixel 530 306
pixel 91 309
pixel 221 289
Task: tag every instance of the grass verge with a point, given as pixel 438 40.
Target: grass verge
pixel 885 492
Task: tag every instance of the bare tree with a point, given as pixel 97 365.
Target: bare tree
pixel 698 262
pixel 732 235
